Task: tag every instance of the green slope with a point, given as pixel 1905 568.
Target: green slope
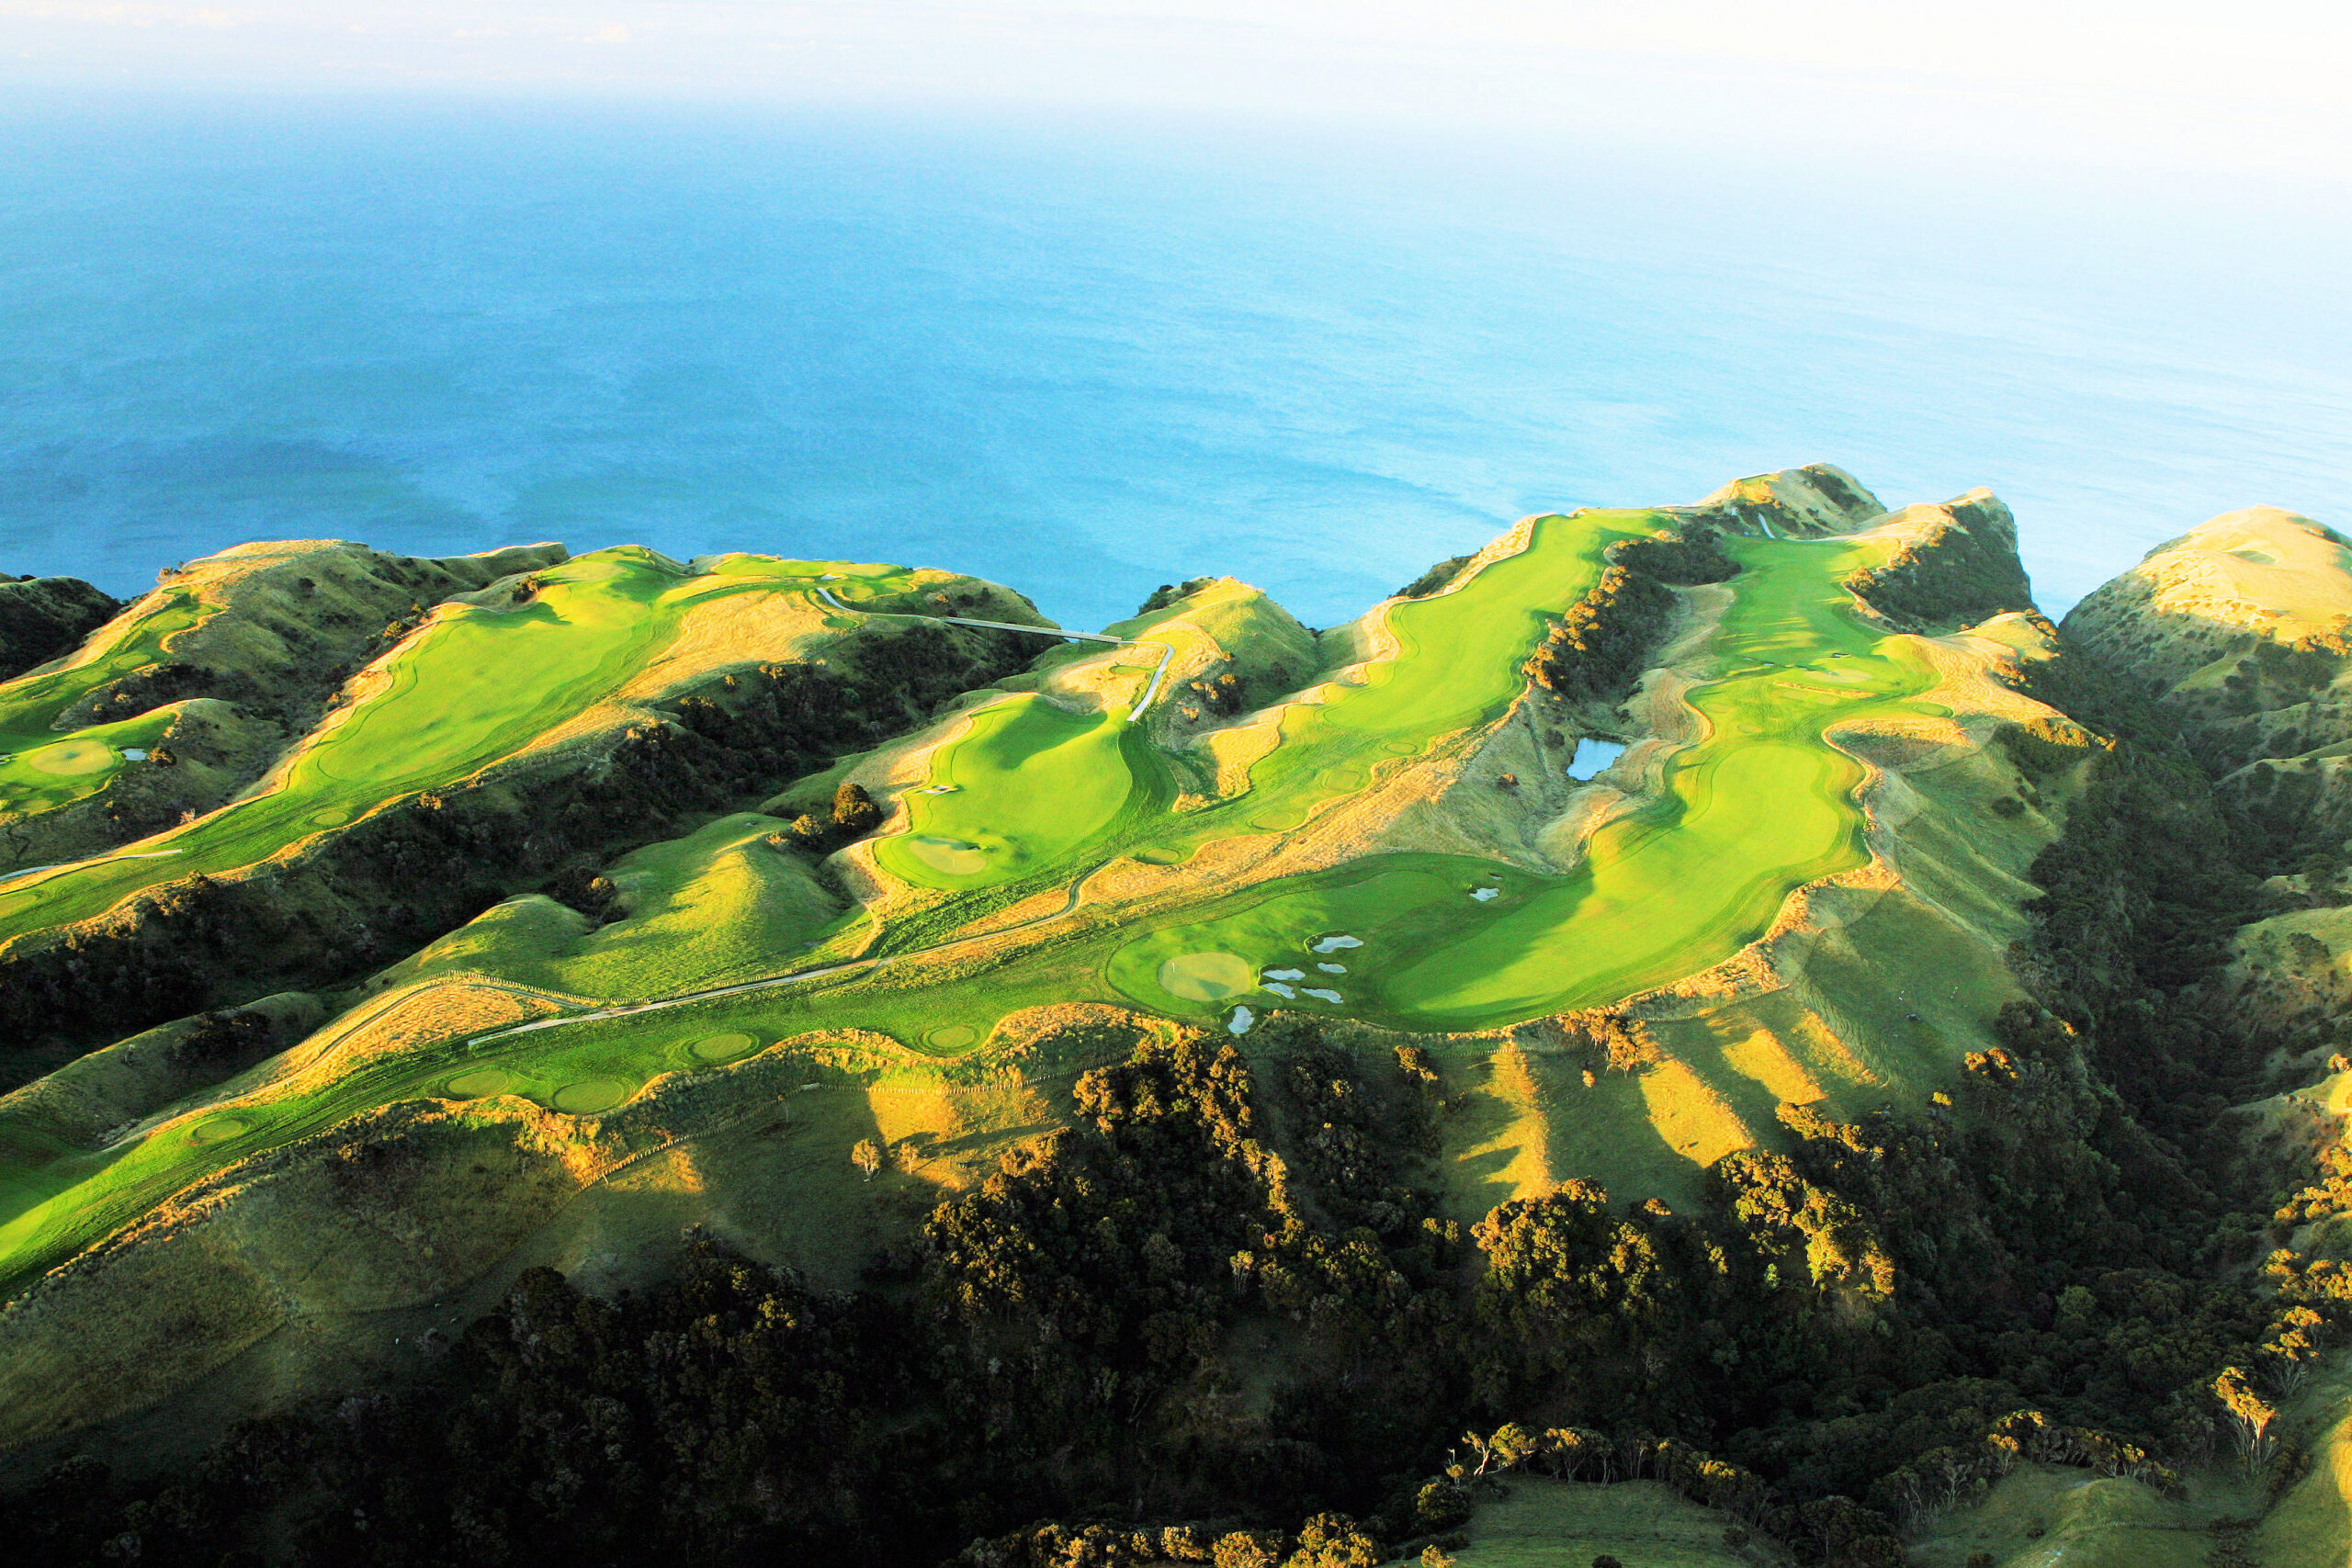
pixel 1763 803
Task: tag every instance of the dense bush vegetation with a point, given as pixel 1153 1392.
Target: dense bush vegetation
pixel 1602 644
pixel 42 618
pixel 1963 571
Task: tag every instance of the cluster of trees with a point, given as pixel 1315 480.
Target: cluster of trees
pixel 852 815
pixel 1965 570
pixel 1435 578
pixel 1602 645
pixel 1168 594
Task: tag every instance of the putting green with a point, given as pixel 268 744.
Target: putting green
pixel 72 756
pixel 723 1047
pixel 219 1129
pixel 334 816
pixel 590 1096
pixel 953 1037
pixel 479 1084
pixel 1207 977
pixel 949 857
pixel 1033 783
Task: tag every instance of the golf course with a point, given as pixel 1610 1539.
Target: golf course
pixel 731 945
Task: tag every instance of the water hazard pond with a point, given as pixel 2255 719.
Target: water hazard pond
pixel 1593 756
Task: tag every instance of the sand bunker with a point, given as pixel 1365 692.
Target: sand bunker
pixel 590 1095
pixel 1240 1021
pixel 1483 894
pixel 953 1037
pixel 1280 989
pixel 950 857
pixel 72 757
pixel 722 1047
pixel 1286 974
pixel 479 1084
pixel 1333 944
pixel 1333 968
pixel 1207 976
pixel 1320 995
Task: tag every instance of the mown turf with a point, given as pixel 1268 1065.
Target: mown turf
pixel 1762 804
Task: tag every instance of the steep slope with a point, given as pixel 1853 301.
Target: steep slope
pixel 1797 887
pixel 42 617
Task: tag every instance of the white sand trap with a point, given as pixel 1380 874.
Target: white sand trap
pixel 1333 968
pixel 133 754
pixel 1240 1021
pixel 941 789
pixel 1333 944
pixel 72 757
pixel 1286 974
pixel 950 857
pixel 1207 976
pixel 1320 995
pixel 1483 894
pixel 1286 992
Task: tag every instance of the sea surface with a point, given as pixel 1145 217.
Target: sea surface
pixel 1088 359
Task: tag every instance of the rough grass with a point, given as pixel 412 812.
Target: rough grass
pixel 1763 802
pixel 1567 1524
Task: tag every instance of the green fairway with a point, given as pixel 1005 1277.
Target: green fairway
pixel 1457 662
pixel 1762 805
pixel 45 768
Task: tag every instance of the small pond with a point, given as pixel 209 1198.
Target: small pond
pixel 1593 756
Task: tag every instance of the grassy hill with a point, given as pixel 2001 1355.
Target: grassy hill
pixel 611 894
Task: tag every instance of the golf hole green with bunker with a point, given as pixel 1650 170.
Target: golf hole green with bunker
pixel 1025 787
pixel 1763 805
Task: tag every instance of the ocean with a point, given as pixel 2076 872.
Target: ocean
pixel 1085 360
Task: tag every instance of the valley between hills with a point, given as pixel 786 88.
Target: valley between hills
pixel 1707 1034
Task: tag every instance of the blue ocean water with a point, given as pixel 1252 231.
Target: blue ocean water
pixel 1087 360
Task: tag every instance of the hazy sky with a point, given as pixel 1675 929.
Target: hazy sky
pixel 2248 86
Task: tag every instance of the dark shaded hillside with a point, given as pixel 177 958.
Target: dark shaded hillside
pixel 43 618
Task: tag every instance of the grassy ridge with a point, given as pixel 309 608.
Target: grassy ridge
pixel 471 687
pixel 1762 805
